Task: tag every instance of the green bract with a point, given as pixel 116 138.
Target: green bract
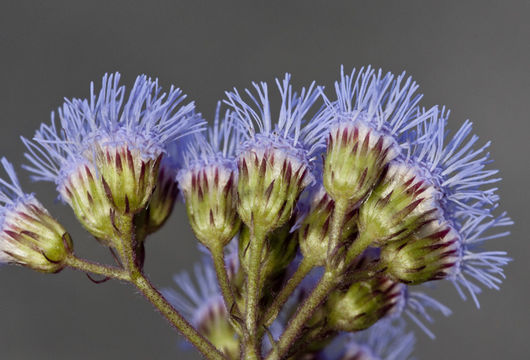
pixel 85 193
pixel 429 254
pixel 128 178
pixel 362 304
pixel 210 196
pixel 355 158
pixel 270 182
pixel 33 238
pixel 399 205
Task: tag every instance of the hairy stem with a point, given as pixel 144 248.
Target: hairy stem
pixel 222 277
pixel 127 233
pixel 305 311
pixel 95 268
pixel 337 222
pixel 162 305
pixel 272 313
pixel 257 240
pixel 358 246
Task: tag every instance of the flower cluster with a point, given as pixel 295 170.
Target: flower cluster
pixel 323 214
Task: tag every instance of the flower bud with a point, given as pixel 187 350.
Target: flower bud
pixel 355 158
pixel 430 254
pixel 362 304
pixel 399 205
pixel 313 234
pixel 210 195
pixel 83 191
pixel 29 235
pixel 128 176
pixel 270 182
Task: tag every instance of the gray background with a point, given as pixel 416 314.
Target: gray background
pixel 473 56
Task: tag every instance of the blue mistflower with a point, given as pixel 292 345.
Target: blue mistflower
pixel 105 151
pixel 276 157
pixel 417 305
pixel 460 175
pixel 457 169
pixel 145 122
pixel 217 150
pixel 369 123
pixel 198 299
pixel 208 182
pixel 386 103
pixel 11 194
pixel 294 134
pixel 201 303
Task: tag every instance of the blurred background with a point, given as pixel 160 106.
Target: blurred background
pixel 472 56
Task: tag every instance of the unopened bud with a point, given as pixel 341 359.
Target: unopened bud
pixel 362 304
pixel 87 196
pixel 160 207
pixel 430 254
pixel 31 237
pixel 399 205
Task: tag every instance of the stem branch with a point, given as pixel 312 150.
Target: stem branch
pixel 174 317
pixel 95 268
pixel 304 313
pixel 303 269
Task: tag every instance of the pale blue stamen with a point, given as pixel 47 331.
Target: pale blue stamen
pixel 387 103
pixel 477 266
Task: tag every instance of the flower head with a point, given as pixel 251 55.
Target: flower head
pixel 275 159
pixel 313 233
pixel 459 173
pixel 455 166
pixel 431 253
pixel 208 182
pixel 29 235
pixel 104 153
pixel 370 119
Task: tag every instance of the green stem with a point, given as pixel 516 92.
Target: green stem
pixel 303 269
pixel 222 276
pixel 257 240
pixel 127 233
pixel 95 268
pixel 358 246
pixel 304 313
pixel 337 222
pixel 202 344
